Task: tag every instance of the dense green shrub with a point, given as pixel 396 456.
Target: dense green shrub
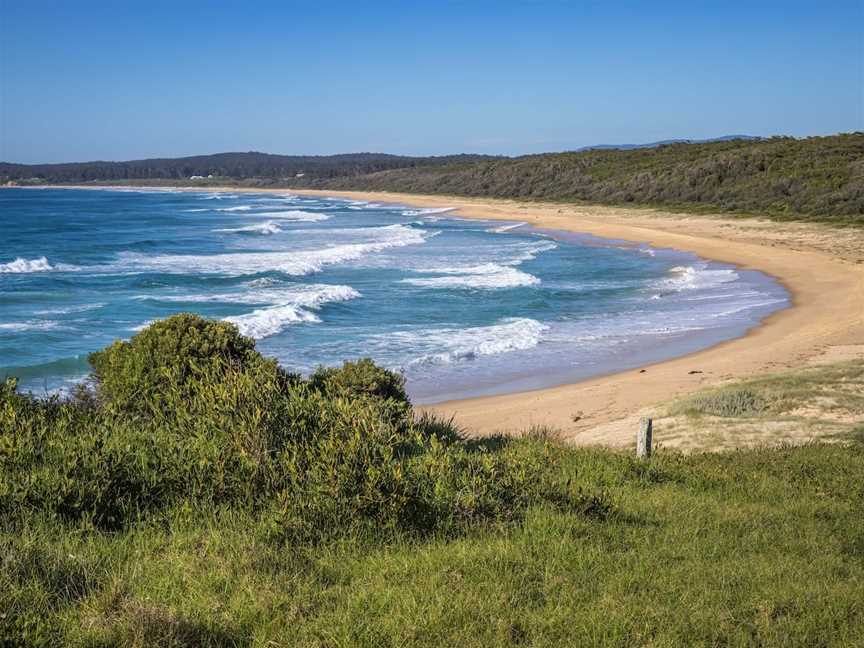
pixel 173 354
pixel 360 378
pixel 188 411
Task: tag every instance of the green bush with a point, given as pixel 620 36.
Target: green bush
pixel 172 354
pixel 360 378
pixel 188 411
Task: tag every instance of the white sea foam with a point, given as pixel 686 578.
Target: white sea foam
pixel 427 212
pixel 298 262
pixel 263 282
pixel 140 190
pixel 505 228
pixel 696 277
pixel 83 308
pixel 531 251
pixel 40 264
pixel 502 274
pixel 295 215
pixel 276 199
pixel 289 307
pixel 218 196
pixel 487 275
pixel 267 227
pixel 451 345
pixel 362 204
pixel 31 325
pixel 237 208
pixel 142 326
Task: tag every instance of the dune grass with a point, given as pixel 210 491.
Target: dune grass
pixel 822 402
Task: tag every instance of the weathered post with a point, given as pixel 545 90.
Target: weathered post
pixel 643 439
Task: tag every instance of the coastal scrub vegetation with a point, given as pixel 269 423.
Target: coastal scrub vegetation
pixel 194 493
pixel 816 178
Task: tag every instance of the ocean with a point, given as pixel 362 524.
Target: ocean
pixel 462 307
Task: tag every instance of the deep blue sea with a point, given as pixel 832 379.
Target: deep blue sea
pixel 463 307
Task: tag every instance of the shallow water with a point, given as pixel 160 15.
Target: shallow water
pixel 463 307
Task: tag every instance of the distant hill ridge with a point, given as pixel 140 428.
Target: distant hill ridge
pixel 232 165
pixel 724 138
pixel 815 178
pixel 257 164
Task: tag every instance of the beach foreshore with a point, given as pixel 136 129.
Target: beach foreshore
pixel 821 267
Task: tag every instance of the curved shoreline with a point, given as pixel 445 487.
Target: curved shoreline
pixel 825 315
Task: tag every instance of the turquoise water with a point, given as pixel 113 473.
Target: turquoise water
pixel 463 307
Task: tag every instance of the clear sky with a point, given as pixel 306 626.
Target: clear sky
pixel 123 80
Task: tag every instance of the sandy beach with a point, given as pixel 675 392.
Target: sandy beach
pixel 822 268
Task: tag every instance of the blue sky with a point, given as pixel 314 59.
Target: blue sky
pixel 124 80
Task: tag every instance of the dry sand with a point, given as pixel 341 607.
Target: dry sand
pixel 822 267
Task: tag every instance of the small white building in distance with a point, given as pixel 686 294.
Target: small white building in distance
pixel 299 175
pixel 196 177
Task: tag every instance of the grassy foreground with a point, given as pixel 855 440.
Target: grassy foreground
pixel 762 547
pixel 196 495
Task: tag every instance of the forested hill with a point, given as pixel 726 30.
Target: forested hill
pixel 818 178
pixel 237 166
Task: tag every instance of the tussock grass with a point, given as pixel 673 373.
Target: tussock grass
pixel 726 402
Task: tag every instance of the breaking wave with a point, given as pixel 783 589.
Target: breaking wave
pixel 427 212
pixel 22 266
pixel 299 262
pixel 488 275
pixel 696 277
pixel 451 345
pixel 288 307
pixel 267 227
pixel 295 215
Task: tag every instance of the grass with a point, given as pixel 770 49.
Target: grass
pixel 823 402
pixel 708 549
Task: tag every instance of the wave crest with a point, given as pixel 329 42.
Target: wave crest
pixel 295 307
pixel 488 275
pixel 22 266
pixel 447 346
pixel 267 227
pixel 300 262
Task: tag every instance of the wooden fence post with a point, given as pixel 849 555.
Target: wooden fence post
pixel 643 439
